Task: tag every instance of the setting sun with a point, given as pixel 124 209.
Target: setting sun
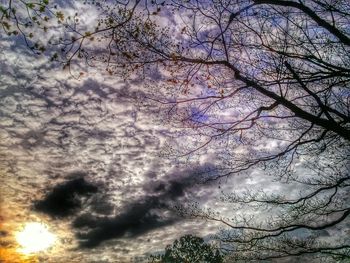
pixel 34 237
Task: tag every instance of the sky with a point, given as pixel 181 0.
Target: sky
pixel 84 158
pixel 79 156
pixel 91 160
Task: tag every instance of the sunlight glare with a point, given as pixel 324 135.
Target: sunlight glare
pixel 35 237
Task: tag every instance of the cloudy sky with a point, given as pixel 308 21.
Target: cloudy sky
pixel 84 158
pixel 91 158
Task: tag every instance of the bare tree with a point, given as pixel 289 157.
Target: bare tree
pixel 235 75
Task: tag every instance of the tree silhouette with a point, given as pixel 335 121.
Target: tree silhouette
pixel 264 82
pixel 189 249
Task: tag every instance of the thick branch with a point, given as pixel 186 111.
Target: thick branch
pixel 321 22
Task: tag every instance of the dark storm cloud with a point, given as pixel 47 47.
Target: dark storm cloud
pixel 136 219
pixel 149 212
pixel 65 199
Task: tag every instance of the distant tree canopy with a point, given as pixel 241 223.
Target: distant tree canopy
pixel 266 83
pixel 189 249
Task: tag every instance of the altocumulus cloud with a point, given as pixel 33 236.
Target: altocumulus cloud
pixel 91 125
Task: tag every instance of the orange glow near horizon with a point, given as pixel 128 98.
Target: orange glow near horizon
pixel 11 255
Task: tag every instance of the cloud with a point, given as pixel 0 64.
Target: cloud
pixel 53 125
pixel 65 199
pixel 3 233
pixel 135 220
pixel 150 211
